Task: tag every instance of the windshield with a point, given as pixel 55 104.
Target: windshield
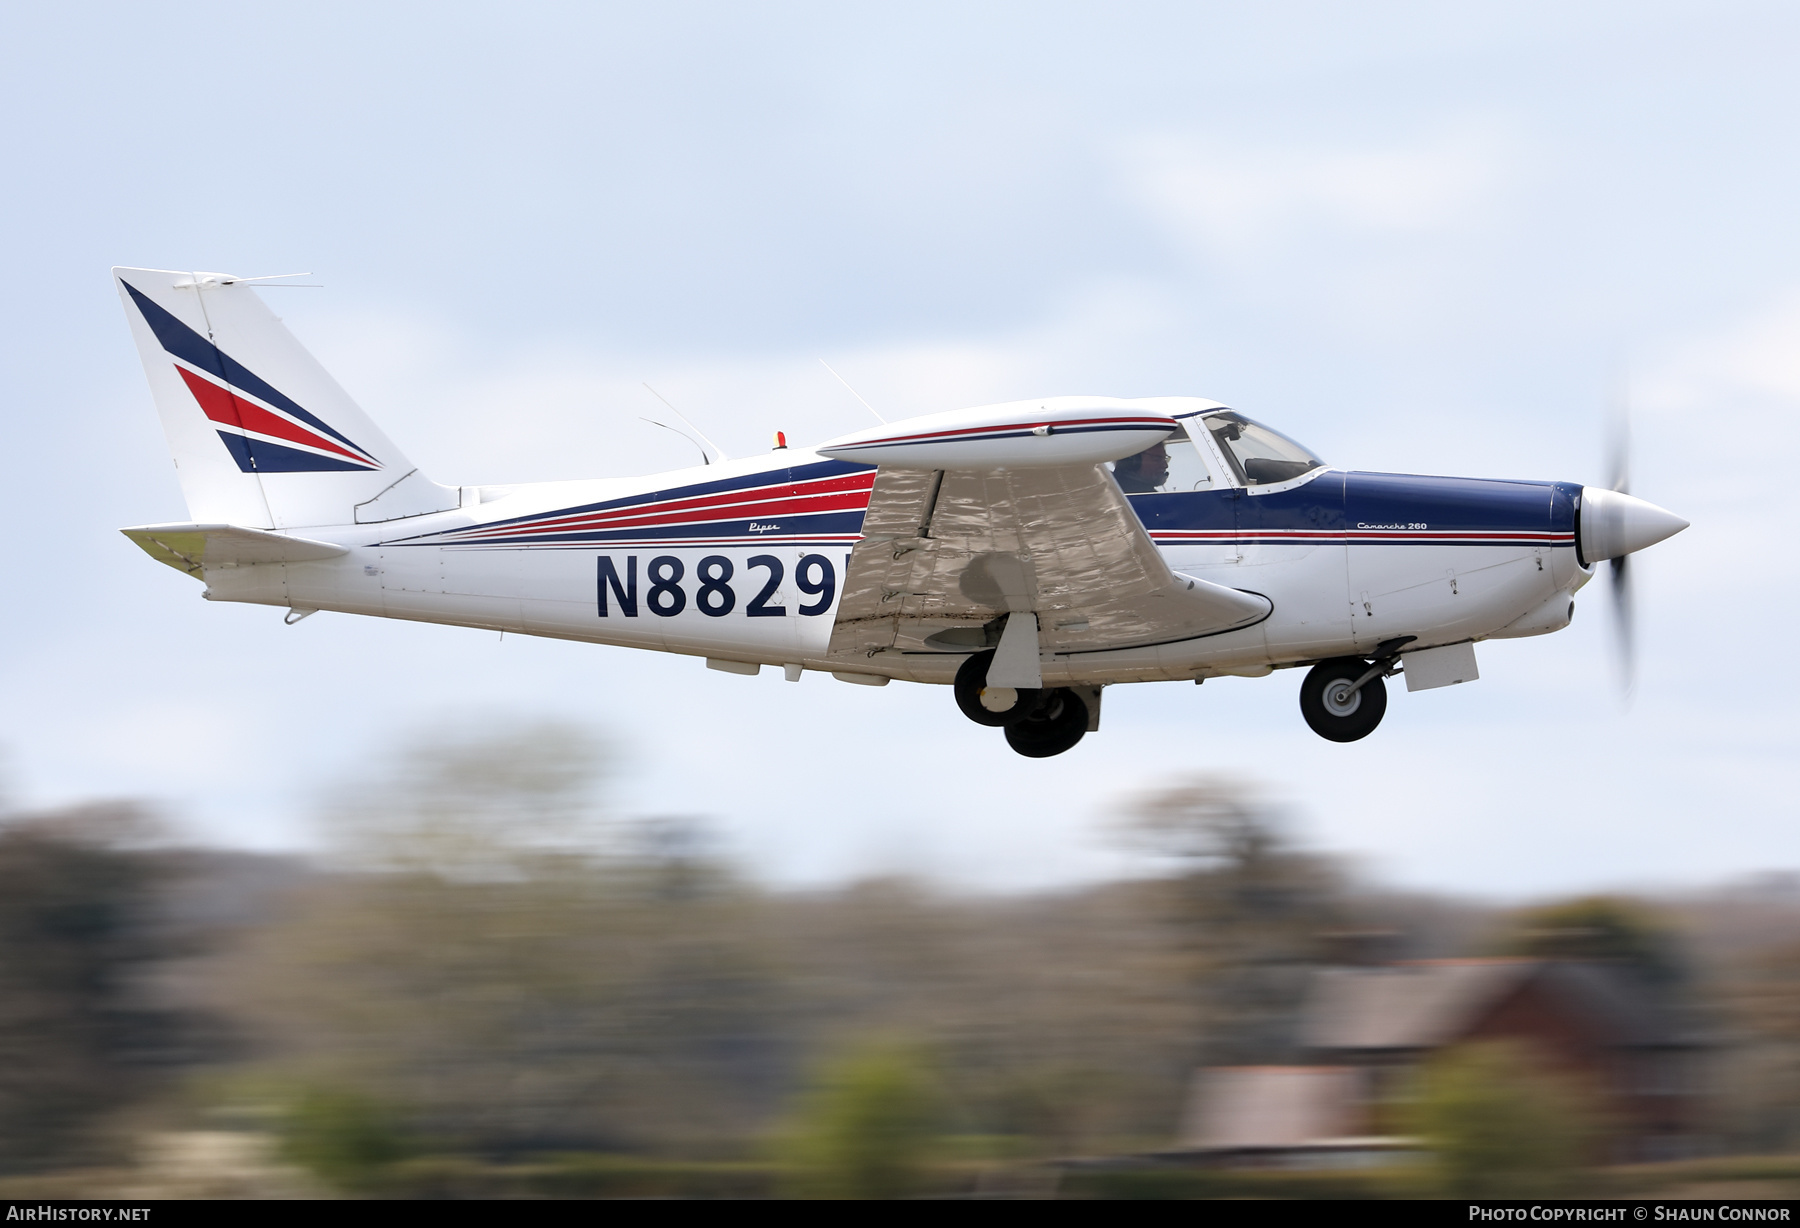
pixel 1172 465
pixel 1260 455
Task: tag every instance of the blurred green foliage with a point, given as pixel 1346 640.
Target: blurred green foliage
pixel 868 1126
pixel 1598 927
pixel 1498 1125
pixel 346 1139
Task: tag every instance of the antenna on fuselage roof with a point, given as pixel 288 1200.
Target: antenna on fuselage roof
pixel 704 458
pixel 853 392
pixel 709 443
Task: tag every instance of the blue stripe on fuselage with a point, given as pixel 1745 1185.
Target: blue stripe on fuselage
pixel 1373 501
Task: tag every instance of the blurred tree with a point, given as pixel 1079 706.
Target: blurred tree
pixel 463 807
pixel 1598 927
pixel 79 1034
pixel 344 1138
pixel 1252 912
pixel 1498 1125
pixel 510 971
pixel 1761 1092
pixel 866 1129
pixel 1059 1020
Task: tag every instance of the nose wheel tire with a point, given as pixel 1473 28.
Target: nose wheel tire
pixel 1335 711
pixel 1055 725
pixel 995 707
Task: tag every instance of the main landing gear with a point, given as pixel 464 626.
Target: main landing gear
pixel 1345 698
pixel 1038 723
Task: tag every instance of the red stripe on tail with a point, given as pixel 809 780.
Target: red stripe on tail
pixel 224 406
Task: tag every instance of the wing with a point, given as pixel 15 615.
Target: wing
pixel 945 553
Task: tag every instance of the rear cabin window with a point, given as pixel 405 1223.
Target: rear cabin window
pixel 1172 465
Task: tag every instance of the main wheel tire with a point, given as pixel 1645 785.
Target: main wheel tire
pixel 1058 722
pixel 1336 712
pixel 971 685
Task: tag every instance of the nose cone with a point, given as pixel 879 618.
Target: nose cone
pixel 1613 524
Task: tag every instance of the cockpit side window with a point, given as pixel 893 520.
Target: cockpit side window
pixel 1260 456
pixel 1174 464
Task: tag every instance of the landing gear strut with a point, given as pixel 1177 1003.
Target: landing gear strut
pixel 1038 723
pixel 994 706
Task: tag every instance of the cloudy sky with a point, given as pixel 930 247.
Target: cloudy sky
pixel 1418 237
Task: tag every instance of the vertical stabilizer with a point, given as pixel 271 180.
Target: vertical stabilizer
pixel 262 435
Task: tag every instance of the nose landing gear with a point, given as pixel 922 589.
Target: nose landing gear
pixel 1335 706
pixel 1344 699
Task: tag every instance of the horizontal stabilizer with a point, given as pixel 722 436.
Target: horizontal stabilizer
pixel 195 547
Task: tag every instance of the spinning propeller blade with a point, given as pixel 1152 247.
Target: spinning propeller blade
pixel 1618 456
pixel 1624 626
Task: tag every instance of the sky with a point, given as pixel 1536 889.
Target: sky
pixel 1419 238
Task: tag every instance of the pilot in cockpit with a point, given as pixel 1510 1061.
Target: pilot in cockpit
pixel 1143 473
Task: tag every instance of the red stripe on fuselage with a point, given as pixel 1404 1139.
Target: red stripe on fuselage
pixel 226 407
pixel 850 493
pixel 762 509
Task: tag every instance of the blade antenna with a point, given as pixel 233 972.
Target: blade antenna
pixel 704 458
pixel 196 282
pixel 244 281
pixel 709 443
pixel 853 392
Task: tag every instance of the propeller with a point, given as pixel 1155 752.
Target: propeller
pixel 1618 465
pixel 1614 524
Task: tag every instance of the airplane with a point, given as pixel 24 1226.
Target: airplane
pixel 1028 555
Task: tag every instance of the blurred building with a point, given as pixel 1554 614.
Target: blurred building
pixel 1370 1029
pixel 1284 1116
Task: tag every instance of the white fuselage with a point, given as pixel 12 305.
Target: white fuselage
pixel 1337 590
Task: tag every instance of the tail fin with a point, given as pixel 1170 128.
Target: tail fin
pixel 262 436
